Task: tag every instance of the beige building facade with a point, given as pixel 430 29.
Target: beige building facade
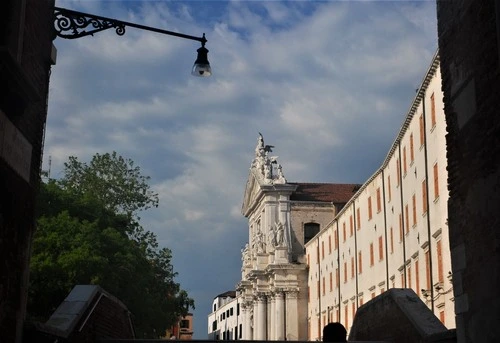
pixel 393 233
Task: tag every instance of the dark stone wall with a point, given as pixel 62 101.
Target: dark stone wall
pixel 469 35
pixel 25 61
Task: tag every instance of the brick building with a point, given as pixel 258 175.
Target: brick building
pixel 469 44
pixel 26 56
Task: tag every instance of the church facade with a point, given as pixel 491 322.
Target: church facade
pixel 282 218
pixel 317 252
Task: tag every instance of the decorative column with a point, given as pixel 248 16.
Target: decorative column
pixel 272 317
pixel 261 318
pixel 279 324
pixel 255 319
pixel 292 316
pixel 245 310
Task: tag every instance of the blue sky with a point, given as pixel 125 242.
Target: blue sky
pixel 327 83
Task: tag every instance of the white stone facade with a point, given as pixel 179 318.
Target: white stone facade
pixel 393 232
pixel 226 321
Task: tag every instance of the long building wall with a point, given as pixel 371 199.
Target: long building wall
pixel 393 233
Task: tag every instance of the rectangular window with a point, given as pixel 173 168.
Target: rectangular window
pixel 380 249
pixel 436 181
pixel 373 295
pixel 324 286
pixel 329 244
pixel 427 270
pixel 389 192
pixel 412 154
pixel 404 160
pixel 440 261
pixel 345 272
pixel 317 254
pixel 424 196
pixel 346 319
pixel 352 268
pixel 351 226
pixel 369 207
pixel 331 282
pixel 379 201
pixel 407 219
pixel 391 231
pixel 371 255
pixel 358 217
pixel 409 276
pixel 441 316
pixel 403 280
pixel 398 170
pixel 343 231
pixel 414 209
pixel 353 309
pixel 433 111
pixel 417 278
pixel 400 228
pixel 422 131
pixel 322 250
pixel 360 301
pixel 336 239
pixel 360 263
pixel 318 289
pixel 337 278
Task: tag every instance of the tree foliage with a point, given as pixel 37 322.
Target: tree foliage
pixel 87 234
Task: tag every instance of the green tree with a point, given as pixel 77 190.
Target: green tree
pixel 87 237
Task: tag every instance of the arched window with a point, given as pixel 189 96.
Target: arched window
pixel 310 230
pixel 215 307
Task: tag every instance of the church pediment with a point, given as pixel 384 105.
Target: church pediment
pixel 252 192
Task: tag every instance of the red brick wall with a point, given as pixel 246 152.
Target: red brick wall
pixel 470 64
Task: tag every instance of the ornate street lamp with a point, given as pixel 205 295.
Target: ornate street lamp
pixel 71 24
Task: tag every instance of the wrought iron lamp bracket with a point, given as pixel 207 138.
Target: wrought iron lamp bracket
pixel 72 24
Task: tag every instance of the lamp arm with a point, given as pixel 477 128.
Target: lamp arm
pixel 71 24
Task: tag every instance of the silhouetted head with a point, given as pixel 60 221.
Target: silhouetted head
pixel 334 332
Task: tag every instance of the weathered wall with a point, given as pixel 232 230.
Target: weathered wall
pixel 25 60
pixel 398 316
pixel 469 46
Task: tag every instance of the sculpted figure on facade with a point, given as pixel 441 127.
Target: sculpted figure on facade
pixel 259 241
pixel 280 234
pixel 281 176
pixel 245 256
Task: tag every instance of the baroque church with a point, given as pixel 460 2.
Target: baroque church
pixel 282 218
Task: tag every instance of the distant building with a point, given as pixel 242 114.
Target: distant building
pixel 393 233
pixel 317 252
pixel 225 322
pixel 182 330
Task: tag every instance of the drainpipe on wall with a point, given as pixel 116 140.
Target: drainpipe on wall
pixel 400 177
pixel 385 231
pixel 428 207
pixel 355 251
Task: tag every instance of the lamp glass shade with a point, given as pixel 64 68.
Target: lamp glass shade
pixel 201 67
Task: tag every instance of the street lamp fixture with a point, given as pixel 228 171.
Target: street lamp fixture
pixel 71 24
